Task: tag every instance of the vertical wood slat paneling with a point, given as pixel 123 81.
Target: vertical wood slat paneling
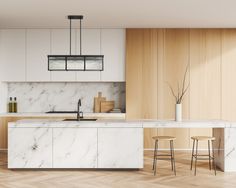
pixel 142 77
pixel 229 74
pixel 134 55
pixel 212 58
pixel 205 77
pixel 149 82
pixel 176 47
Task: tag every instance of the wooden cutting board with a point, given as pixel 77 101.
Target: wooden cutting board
pixel 97 102
pixel 107 106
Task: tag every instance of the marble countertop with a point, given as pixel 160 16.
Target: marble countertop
pixel 25 123
pixel 152 123
pixel 100 115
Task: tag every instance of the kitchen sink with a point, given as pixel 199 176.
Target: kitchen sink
pixel 82 119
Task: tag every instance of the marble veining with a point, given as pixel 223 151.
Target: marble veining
pixel 120 148
pixel 30 148
pixel 74 148
pixel 101 144
pixel 43 97
pixel 122 123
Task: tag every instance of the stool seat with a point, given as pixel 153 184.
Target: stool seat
pixel 202 138
pixel 164 138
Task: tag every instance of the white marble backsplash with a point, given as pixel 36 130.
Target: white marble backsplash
pixel 43 97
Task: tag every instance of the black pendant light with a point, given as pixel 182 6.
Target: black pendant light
pixel 75 62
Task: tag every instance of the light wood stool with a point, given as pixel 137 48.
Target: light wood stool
pixel 209 156
pixel 171 155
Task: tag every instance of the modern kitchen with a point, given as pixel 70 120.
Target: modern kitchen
pixel 117 94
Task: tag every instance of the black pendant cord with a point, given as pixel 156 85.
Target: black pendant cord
pixel 80 37
pixel 70 36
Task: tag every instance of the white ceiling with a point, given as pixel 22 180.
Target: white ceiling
pixel 118 13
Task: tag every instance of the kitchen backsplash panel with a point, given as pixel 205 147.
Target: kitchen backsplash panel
pixel 43 97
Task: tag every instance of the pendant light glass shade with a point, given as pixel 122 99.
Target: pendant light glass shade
pixel 75 62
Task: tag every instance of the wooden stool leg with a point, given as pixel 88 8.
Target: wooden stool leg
pixel 209 153
pixel 154 155
pixel 173 155
pixel 155 160
pixel 195 172
pixel 213 155
pixel 192 155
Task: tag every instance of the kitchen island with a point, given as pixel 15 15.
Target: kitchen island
pixel 102 143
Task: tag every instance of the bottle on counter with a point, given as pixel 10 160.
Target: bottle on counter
pixel 10 105
pixel 15 105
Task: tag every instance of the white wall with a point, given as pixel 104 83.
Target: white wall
pixel 3 97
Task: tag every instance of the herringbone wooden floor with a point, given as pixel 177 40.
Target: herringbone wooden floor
pixel 119 179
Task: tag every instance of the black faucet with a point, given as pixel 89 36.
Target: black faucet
pixel 78 111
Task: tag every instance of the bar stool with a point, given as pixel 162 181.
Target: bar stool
pixel 209 156
pixel 171 155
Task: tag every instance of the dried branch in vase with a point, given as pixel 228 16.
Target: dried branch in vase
pixel 179 96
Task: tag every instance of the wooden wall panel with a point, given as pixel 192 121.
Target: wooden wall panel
pixel 149 83
pixel 200 86
pixel 160 74
pixel 134 55
pixel 229 74
pixel 176 58
pixel 143 78
pixel 211 54
pixel 213 78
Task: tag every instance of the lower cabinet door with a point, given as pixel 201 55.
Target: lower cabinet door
pixel 29 148
pixel 75 148
pixel 120 148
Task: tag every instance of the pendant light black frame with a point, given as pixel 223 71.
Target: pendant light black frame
pixel 81 58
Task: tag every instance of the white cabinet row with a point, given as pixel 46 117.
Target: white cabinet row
pixel 75 148
pixel 23 54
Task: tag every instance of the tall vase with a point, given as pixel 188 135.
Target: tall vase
pixel 178 112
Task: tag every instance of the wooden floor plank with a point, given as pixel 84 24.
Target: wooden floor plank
pixel 120 178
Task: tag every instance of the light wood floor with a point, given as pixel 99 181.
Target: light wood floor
pixel 122 179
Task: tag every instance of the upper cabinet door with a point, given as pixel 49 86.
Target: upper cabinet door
pixel 113 49
pixel 37 49
pixel 12 54
pixel 91 45
pixel 60 45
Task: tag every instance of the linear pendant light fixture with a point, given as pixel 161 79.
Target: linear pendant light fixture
pixel 75 62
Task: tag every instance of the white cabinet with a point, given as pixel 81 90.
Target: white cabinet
pixel 60 45
pixel 29 148
pixel 120 148
pixel 117 145
pixel 23 54
pixel 91 45
pixel 12 54
pixel 75 148
pixel 113 49
pixel 37 49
